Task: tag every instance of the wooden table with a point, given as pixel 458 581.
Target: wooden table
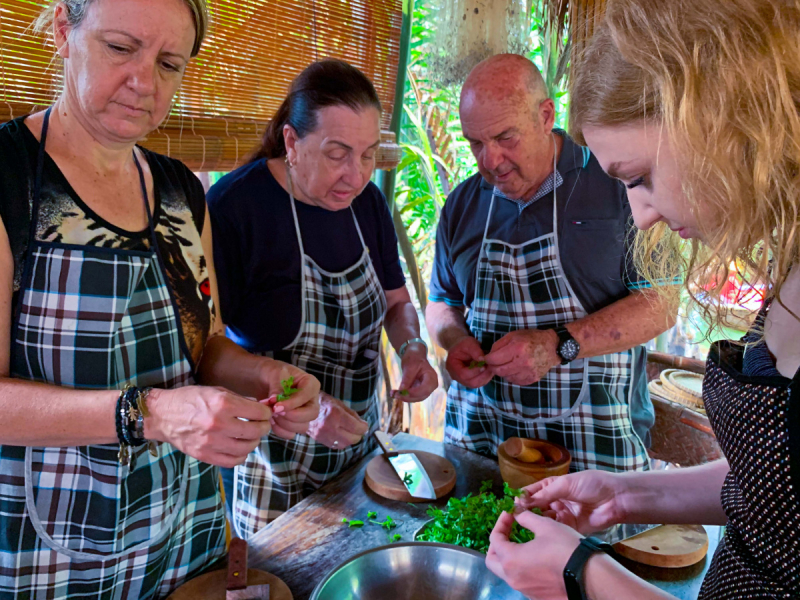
pixel 307 542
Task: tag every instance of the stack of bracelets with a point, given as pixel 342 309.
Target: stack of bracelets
pixel 131 412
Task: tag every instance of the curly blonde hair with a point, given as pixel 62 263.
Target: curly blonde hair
pixel 76 12
pixel 723 79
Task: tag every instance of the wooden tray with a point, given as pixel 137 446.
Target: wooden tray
pixel 382 479
pixel 670 546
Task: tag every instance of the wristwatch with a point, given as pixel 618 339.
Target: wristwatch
pixel 568 347
pixel 573 572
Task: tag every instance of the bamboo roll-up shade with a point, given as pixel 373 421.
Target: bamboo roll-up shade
pixel 231 90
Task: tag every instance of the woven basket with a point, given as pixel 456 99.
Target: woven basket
pixel 681 436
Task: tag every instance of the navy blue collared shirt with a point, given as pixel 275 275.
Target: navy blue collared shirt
pixel 595 231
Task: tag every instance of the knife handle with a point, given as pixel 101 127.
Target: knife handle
pixel 237 565
pixel 385 442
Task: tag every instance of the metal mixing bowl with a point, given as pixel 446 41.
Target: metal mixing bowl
pixel 414 571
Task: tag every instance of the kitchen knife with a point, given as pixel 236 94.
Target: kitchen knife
pixel 623 531
pixel 408 468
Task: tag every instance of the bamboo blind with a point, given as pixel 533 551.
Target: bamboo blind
pixel 253 51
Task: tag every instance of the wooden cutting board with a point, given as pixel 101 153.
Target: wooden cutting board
pixel 670 546
pixel 382 479
pixel 211 586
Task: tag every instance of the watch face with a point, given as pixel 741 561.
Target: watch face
pixel 569 350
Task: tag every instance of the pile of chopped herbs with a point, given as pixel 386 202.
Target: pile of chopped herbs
pixel 469 521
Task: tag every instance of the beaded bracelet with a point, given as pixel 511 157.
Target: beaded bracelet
pixel 132 397
pixel 119 421
pixel 139 412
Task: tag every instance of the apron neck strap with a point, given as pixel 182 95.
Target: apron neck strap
pixel 297 222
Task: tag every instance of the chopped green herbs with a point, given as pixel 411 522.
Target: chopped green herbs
pixel 408 479
pixel 289 389
pixel 404 392
pixel 356 524
pixel 388 524
pixel 477 364
pixel 469 521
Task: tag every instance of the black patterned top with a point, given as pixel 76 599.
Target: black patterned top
pixel 179 217
pixel 757 422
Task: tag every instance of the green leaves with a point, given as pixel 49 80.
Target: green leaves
pixel 469 521
pixel 289 389
pixel 388 524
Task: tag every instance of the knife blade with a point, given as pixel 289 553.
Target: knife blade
pixel 623 531
pixel 408 468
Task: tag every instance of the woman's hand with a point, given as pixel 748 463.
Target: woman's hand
pixel 293 415
pixel 210 424
pixel 536 568
pixel 419 378
pixel 588 501
pixel 337 426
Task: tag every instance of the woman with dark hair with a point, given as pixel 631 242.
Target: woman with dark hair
pixel 309 273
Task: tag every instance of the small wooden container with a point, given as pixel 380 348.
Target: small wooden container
pixel 518 474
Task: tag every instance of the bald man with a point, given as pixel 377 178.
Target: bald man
pixel 532 295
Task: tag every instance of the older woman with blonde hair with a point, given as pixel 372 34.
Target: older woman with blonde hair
pixel 108 288
pixel 695 106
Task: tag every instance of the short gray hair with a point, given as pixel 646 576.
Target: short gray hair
pixel 76 13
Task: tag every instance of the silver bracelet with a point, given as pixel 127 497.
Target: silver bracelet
pixel 415 340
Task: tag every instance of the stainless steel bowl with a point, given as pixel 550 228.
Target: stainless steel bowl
pixel 414 571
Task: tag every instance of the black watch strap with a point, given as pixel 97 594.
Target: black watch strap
pixel 573 572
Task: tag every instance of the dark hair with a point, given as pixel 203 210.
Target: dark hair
pixel 329 82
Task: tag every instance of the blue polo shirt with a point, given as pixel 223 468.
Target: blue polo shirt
pixel 595 232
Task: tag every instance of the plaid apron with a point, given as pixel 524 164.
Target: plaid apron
pixel 584 405
pixel 73 522
pixel 338 342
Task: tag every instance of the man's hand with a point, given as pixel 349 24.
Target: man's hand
pixel 524 357
pixel 466 353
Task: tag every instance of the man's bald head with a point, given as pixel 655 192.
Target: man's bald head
pixel 508 119
pixel 503 78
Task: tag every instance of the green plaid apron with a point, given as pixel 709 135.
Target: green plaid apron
pixel 73 522
pixel 585 405
pixel 338 342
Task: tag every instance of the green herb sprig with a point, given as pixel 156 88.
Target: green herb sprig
pixel 469 521
pixel 289 389
pixel 477 364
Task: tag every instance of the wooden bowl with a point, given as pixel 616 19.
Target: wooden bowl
pixel 518 474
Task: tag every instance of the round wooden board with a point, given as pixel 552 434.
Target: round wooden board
pixel 211 586
pixel 382 479
pixel 670 546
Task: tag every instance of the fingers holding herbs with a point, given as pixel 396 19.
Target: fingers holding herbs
pixel 419 378
pixel 293 397
pixel 210 424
